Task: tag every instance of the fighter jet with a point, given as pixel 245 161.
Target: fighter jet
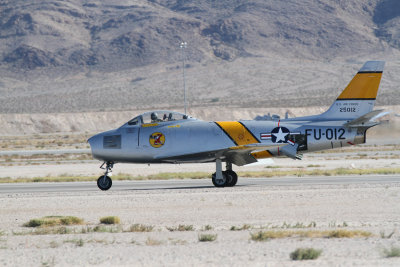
pixel 170 137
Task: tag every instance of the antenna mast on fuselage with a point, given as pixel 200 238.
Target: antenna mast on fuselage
pixel 183 46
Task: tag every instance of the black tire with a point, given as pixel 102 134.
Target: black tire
pixel 219 183
pixel 104 185
pixel 231 179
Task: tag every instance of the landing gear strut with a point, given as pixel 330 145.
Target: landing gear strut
pixel 104 182
pixel 226 178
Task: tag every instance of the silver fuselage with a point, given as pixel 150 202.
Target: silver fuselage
pixel 201 141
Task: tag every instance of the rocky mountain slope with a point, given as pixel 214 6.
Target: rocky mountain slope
pixel 84 55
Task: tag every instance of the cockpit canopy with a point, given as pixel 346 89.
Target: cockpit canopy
pixel 159 116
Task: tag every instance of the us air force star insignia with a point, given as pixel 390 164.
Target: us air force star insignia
pixel 280 135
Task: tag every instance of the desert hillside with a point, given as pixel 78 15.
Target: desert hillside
pixel 88 55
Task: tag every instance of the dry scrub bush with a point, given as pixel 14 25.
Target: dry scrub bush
pixel 392 252
pixel 267 235
pixel 243 227
pixel 207 237
pixel 110 220
pixel 54 221
pixel 305 254
pixel 140 228
pixel 181 227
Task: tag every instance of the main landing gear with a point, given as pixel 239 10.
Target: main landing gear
pixel 226 178
pixel 104 182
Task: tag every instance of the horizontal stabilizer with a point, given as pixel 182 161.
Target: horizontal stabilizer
pixel 291 151
pixel 367 120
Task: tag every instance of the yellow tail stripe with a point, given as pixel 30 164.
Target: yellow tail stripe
pixel 363 86
pixel 237 132
pixel 261 154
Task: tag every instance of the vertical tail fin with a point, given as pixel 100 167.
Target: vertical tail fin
pixel 358 98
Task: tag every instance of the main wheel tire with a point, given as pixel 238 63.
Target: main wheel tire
pixel 104 184
pixel 231 178
pixel 219 182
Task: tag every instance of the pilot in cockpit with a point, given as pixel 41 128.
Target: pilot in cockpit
pixel 154 117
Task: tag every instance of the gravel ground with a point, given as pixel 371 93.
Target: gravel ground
pixel 367 207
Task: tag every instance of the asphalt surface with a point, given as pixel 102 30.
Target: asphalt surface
pixel 196 184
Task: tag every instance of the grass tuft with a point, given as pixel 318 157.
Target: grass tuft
pixel 243 227
pixel 110 220
pixel 267 235
pixel 297 225
pixel 181 227
pixel 392 252
pixel 104 229
pixel 49 221
pixel 207 237
pixel 77 242
pixel 347 233
pixel 305 254
pixel 153 242
pixel 207 228
pixel 140 228
pixel 48 231
pixel 383 235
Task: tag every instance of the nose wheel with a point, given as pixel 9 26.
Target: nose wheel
pixel 104 182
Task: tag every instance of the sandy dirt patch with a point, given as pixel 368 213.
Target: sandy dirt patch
pixel 366 207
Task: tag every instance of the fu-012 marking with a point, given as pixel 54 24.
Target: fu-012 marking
pixel 329 133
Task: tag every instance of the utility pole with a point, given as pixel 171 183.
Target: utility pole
pixel 183 46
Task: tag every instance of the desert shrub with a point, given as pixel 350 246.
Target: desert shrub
pixel 105 229
pixel 347 233
pixel 207 228
pixel 71 220
pixel 207 237
pixel 392 252
pixel 110 220
pixel 305 254
pixel 54 221
pixel 243 227
pixel 140 228
pixel 266 235
pixel 153 242
pixel 181 227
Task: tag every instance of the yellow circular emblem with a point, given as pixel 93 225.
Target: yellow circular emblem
pixel 157 139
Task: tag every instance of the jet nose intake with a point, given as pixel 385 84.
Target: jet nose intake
pixel 96 144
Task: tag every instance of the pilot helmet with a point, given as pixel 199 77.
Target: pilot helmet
pixel 154 116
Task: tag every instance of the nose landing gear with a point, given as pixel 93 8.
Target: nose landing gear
pixel 104 182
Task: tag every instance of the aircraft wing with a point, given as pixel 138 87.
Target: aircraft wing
pixel 239 155
pixel 367 120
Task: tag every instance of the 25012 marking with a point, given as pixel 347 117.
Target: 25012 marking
pixel 347 109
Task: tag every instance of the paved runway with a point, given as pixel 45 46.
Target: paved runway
pixel 196 184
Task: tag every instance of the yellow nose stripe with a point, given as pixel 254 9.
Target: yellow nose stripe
pixel 237 132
